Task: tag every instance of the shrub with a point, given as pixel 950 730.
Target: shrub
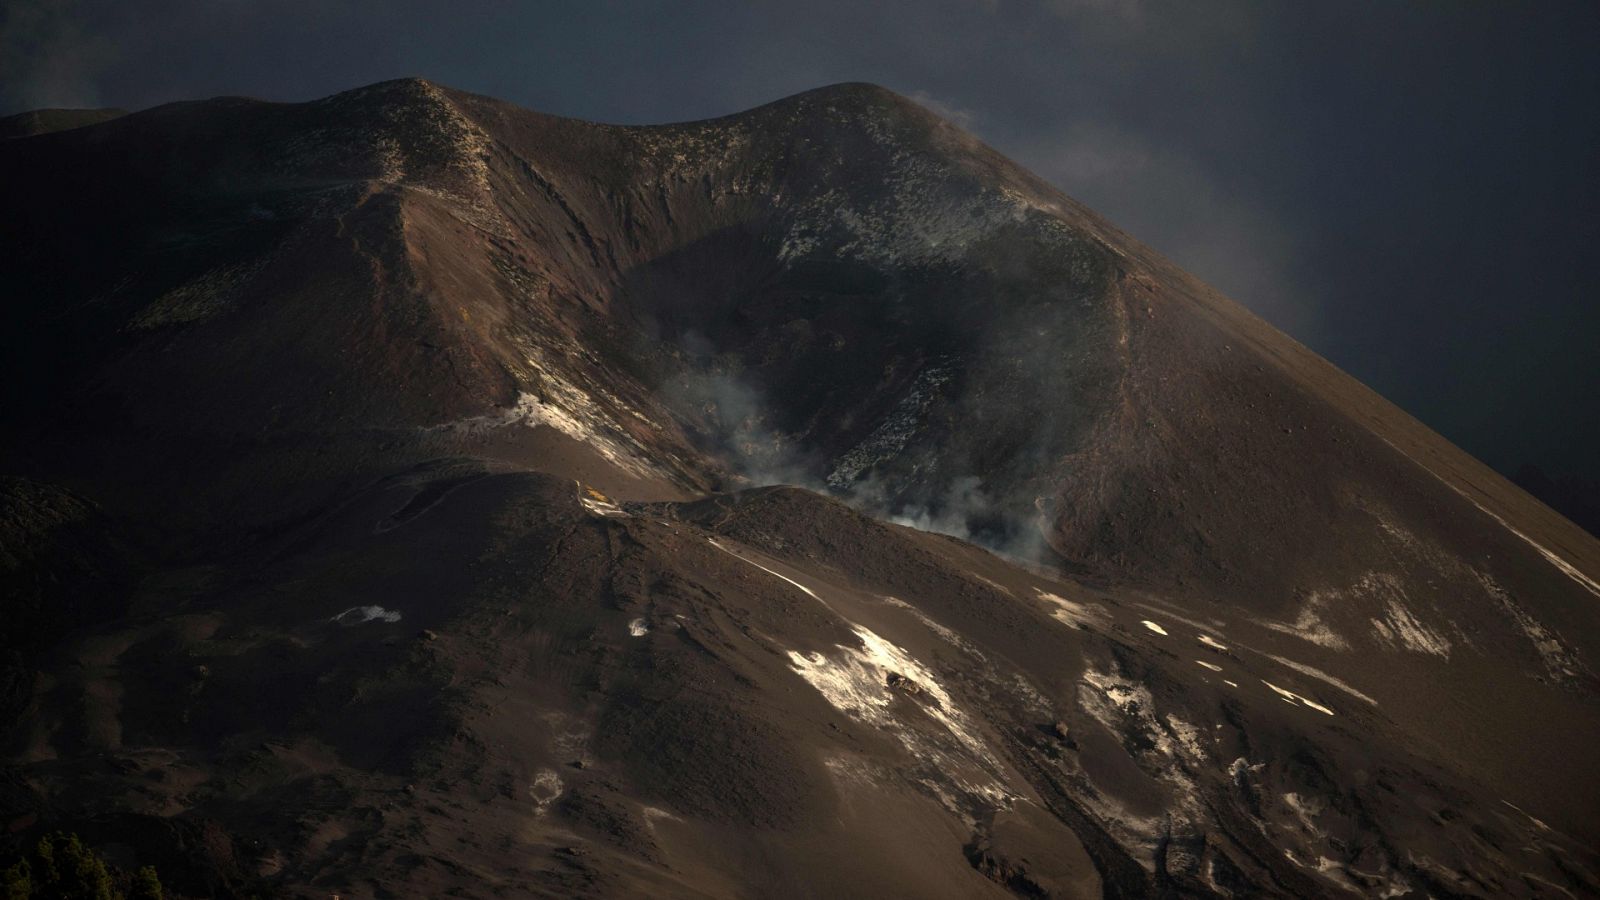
pixel 146 886
pixel 62 868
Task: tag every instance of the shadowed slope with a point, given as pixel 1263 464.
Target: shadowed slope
pixel 44 121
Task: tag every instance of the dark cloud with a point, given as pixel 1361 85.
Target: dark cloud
pixel 50 56
pixel 1411 189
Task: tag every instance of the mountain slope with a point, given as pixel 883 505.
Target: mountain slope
pixel 44 121
pixel 330 372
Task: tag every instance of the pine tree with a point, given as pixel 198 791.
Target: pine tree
pixel 146 886
pixel 62 868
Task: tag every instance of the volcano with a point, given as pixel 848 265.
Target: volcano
pixel 410 494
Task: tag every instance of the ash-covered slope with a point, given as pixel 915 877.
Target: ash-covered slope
pixel 44 121
pixel 317 376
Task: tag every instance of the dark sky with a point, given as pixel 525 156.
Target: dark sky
pixel 1409 188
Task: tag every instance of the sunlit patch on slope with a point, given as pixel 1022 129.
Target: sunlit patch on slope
pixel 1153 627
pixel 1309 626
pixel 599 504
pixel 1127 708
pixel 637 628
pixel 865 682
pixel 1561 660
pixel 1212 666
pixel 949 636
pixel 1165 611
pixel 569 409
pixel 1064 610
pixel 1536 823
pixel 1186 737
pixel 654 814
pixel 1295 699
pixel 572 413
pixel 853 772
pixel 1392 619
pixel 858 682
pixel 1212 642
pixel 1566 568
pixel 1166 747
pixel 1335 871
pixel 994 584
pixel 1304 809
pixel 1304 669
pixel 1301 825
pixel 1400 628
pixel 808 591
pixel 360 615
pixel 1014 687
pixel 862 683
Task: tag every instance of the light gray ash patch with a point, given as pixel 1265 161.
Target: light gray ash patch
pixel 897 429
pixel 1561 659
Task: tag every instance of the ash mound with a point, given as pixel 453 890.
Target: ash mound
pixel 391 508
